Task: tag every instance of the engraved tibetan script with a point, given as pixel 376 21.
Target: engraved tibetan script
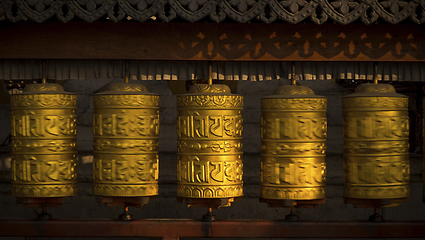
pixel 376 127
pixel 37 125
pixel 377 172
pixel 202 126
pixel 43 171
pixel 196 171
pixel 293 173
pixel 125 170
pixel 124 125
pixel 296 127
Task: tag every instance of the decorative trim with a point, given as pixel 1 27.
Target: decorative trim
pixel 242 11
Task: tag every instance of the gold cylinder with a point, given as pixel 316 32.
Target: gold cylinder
pixel 209 130
pixel 43 130
pixel 376 143
pixel 125 128
pixel 293 134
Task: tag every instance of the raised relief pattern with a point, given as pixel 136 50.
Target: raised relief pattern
pixel 209 191
pixel 43 125
pixel 294 103
pixel 43 100
pixel 281 148
pixel 209 172
pixel 126 101
pixel 119 145
pixel 377 126
pixel 219 101
pixel 44 190
pixel 297 126
pixel 292 193
pixel 343 12
pixel 374 102
pixel 213 126
pixel 210 146
pixel 35 170
pixel 301 174
pixel 123 171
pixel 124 125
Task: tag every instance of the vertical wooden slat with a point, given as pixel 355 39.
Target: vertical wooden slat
pixel 166 74
pixel 422 72
pixel 268 71
pixel 7 70
pixel 228 74
pixel 220 70
pixel 142 70
pixel 159 66
pixel 90 69
pixel 151 68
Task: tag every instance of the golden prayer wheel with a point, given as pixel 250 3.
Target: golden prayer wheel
pixel 376 146
pixel 293 133
pixel 125 128
pixel 43 130
pixel 209 130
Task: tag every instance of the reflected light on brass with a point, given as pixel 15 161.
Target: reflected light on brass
pixel 376 146
pixel 43 130
pixel 209 130
pixel 125 128
pixel 293 133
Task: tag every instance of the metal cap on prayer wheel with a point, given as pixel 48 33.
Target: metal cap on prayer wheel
pixel 376 146
pixel 125 128
pixel 293 133
pixel 209 130
pixel 43 130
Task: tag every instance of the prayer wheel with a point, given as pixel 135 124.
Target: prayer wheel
pixel 376 146
pixel 125 128
pixel 43 131
pixel 293 134
pixel 209 130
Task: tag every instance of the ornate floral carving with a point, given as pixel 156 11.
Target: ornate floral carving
pixel 292 193
pixel 294 103
pixel 293 11
pixel 193 10
pixel 219 101
pixel 344 11
pixel 43 191
pixel 375 102
pixel 43 100
pixel 126 100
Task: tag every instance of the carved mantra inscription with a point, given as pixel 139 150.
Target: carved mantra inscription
pixel 293 133
pixel 203 126
pixel 38 171
pixel 376 126
pixel 295 173
pixel 125 171
pixel 125 129
pixel 125 124
pixel 39 125
pixel 295 127
pixel 209 128
pixel 376 160
pixel 214 172
pixel 43 130
pixel 377 172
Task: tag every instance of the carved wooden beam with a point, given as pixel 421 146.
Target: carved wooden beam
pixel 242 11
pixel 212 41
